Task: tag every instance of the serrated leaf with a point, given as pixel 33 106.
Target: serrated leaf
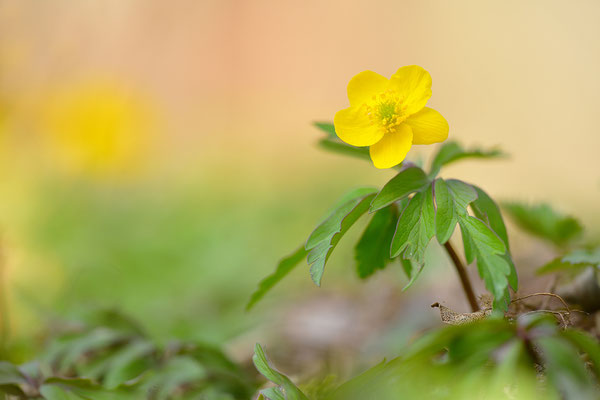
pixel 452 198
pixel 452 151
pixel 331 224
pixel 407 267
pixel 326 127
pixel 413 271
pixel 372 252
pixel 262 365
pixel 544 222
pixel 407 181
pixel 483 245
pixel 488 211
pixel 285 266
pixel 326 236
pixel 415 228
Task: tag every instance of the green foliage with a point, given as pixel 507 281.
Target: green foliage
pixel 452 151
pixel 118 362
pixel 285 266
pixel 428 207
pixel 155 249
pixel 485 359
pixel 333 144
pixel 452 198
pixel 286 388
pixel 565 369
pixel 372 252
pixel 337 146
pixel 11 379
pixel 544 222
pixel 488 211
pixel 583 256
pixel 415 228
pixel 480 241
pixel 326 127
pixel 407 181
pixel 482 244
pixel 327 235
pixel 575 259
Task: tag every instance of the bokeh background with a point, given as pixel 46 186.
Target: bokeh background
pixel 158 157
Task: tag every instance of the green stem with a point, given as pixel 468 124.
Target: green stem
pixel 464 278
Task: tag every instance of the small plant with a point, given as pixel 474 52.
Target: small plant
pixel 113 359
pixel 498 350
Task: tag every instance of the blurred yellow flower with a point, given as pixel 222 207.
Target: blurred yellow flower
pixel 389 115
pixel 97 127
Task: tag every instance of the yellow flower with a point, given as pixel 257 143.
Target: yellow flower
pixel 389 115
pixel 98 127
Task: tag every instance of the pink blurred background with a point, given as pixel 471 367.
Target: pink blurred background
pixel 240 81
pixel 231 87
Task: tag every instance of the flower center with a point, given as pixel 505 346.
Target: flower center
pixel 387 110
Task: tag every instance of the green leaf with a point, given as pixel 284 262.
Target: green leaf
pixel 337 146
pixel 565 369
pixel 576 259
pixel 483 245
pixel 178 372
pixel 272 393
pixel 333 144
pixel 326 127
pixel 10 379
pixel 415 228
pixel 68 351
pixel 331 224
pixel 10 374
pixel 407 181
pixel 327 235
pixel 413 271
pixel 583 256
pixel 452 151
pixel 542 221
pixel 452 198
pixel 587 345
pixel 77 389
pixel 128 363
pixel 372 252
pixel 285 266
pixel 262 365
pixel 488 211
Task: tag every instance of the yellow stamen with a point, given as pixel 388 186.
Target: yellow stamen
pixel 387 110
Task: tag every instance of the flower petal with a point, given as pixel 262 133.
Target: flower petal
pixel 354 127
pixel 428 126
pixel 392 148
pixel 364 85
pixel 414 84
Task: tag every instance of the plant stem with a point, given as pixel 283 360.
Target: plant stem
pixel 464 278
